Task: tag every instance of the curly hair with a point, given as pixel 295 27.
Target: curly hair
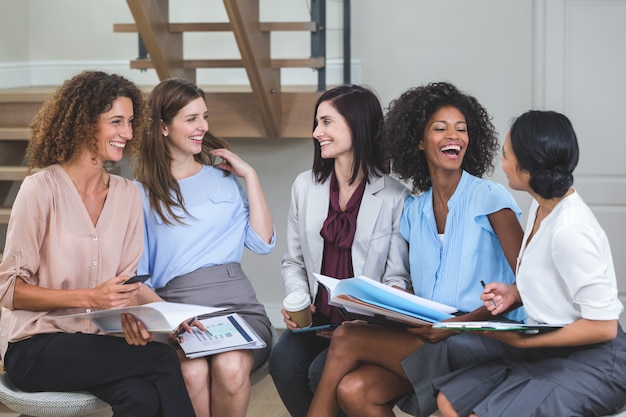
pixel 154 159
pixel 545 145
pixel 363 113
pixel 405 125
pixel 67 123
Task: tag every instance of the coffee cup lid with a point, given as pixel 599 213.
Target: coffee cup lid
pixel 296 301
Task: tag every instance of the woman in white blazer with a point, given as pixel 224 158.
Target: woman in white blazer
pixel 343 221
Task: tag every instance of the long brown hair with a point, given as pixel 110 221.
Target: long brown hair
pixel 154 158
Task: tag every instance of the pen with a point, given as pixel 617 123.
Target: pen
pixel 182 330
pixel 492 300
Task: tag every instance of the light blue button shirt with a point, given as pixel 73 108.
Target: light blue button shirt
pixel 215 233
pixel 449 271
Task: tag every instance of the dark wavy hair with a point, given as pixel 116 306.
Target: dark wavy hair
pixel 361 109
pixel 67 123
pixel 154 159
pixel 545 145
pixel 405 125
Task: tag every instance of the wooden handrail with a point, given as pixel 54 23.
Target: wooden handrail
pixel 164 45
pixel 317 62
pixel 165 48
pixel 254 47
pixel 223 27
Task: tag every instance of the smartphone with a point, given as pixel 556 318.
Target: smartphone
pixel 137 278
pixel 316 328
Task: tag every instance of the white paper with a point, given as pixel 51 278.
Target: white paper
pixel 494 325
pixel 158 317
pixel 223 333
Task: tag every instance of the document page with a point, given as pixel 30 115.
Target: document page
pixel 496 325
pixel 223 333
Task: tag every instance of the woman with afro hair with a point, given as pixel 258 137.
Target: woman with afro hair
pixel 461 229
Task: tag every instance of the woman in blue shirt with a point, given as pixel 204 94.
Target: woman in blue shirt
pixel 461 229
pixel 198 220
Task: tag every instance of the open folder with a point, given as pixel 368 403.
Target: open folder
pixel 364 298
pixel 158 317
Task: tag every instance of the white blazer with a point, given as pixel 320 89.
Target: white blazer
pixel 379 251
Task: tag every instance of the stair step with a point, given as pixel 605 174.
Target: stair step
pixel 14 133
pixel 224 27
pixel 5 213
pixel 235 101
pixel 13 173
pixel 315 62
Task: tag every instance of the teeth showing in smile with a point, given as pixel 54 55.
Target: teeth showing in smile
pixel 325 142
pixel 454 149
pixel 120 145
pixel 196 138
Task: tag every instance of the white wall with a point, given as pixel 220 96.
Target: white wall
pixel 482 46
pixel 493 49
pixel 15 47
pixel 14 35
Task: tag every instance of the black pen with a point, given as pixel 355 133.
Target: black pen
pixel 182 330
pixel 492 300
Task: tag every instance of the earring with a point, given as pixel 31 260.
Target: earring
pixel 164 135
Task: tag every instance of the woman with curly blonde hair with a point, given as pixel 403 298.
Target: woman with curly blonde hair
pixel 74 237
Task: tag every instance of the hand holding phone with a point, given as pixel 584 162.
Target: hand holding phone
pixel 137 278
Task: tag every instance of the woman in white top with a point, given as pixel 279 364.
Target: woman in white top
pixel 565 275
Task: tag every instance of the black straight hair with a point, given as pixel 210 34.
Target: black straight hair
pixel 545 145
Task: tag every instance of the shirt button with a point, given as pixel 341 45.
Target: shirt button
pixel 95 237
pixel 91 285
pixel 88 310
pixel 94 263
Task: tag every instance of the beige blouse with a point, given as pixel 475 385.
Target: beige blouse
pixel 52 242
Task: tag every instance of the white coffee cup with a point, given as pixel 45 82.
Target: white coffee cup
pixel 298 305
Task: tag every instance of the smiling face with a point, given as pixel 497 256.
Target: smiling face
pixel 186 130
pixel 115 129
pixel 445 139
pixel 332 132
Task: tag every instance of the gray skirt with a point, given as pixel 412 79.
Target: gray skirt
pixel 581 381
pixel 434 360
pixel 225 286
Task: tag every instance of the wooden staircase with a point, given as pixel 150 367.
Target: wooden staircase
pixel 262 109
pixel 17 108
pixel 266 109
